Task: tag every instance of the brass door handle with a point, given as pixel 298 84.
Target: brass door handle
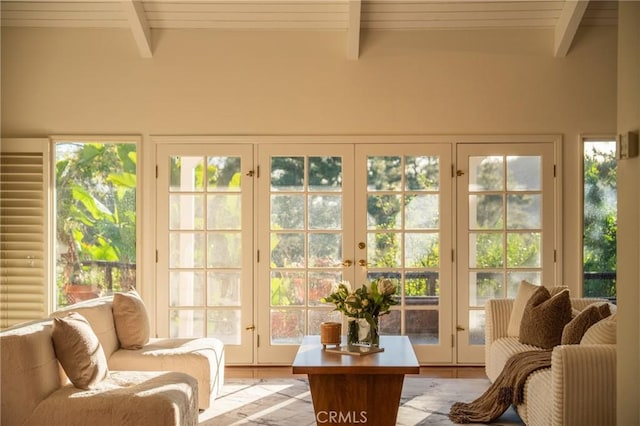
pixel 460 328
pixel 347 263
pixel 251 328
pixel 362 262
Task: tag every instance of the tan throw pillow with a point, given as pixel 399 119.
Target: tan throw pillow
pixel 574 331
pixel 544 318
pixel 79 351
pixel 525 290
pixel 131 319
pixel 601 333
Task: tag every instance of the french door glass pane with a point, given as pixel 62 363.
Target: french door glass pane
pixel 287 250
pixel 287 326
pixel 223 174
pixel 205 247
pixel 224 250
pixel 422 212
pixel 424 286
pixel 524 211
pixel 486 211
pixel 505 221
pixel 523 249
pixel 383 211
pixel 403 240
pixel 223 211
pixel 422 173
pixel 225 325
pixel 287 212
pixel 287 174
pixel 421 250
pixel 223 288
pixel 287 288
pixel 306 210
pixel 325 174
pixel 320 284
pixel 325 212
pixel 488 285
pixel 187 212
pixel 523 173
pixel 186 250
pixel 325 250
pixel 476 327
pixel 486 174
pixel 186 288
pixel 422 326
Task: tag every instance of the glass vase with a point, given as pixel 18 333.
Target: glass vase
pixel 361 332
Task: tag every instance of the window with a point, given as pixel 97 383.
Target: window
pixel 95 218
pixel 599 218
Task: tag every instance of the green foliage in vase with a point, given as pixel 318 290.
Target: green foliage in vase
pixel 368 302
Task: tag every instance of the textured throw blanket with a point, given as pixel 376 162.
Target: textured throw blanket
pixel 506 390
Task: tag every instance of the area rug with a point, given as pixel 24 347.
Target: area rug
pixel 287 402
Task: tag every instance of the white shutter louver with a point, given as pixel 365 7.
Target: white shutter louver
pixel 23 231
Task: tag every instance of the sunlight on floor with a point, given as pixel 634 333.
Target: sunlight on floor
pixel 255 394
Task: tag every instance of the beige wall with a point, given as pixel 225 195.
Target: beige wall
pixel 209 82
pixel 628 214
pixel 61 81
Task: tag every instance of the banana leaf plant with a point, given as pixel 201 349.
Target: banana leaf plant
pixel 96 209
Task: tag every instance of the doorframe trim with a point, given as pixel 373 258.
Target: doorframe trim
pixel 355 139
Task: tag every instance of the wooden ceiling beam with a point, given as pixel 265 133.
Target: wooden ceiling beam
pixel 567 26
pixel 353 30
pixel 137 18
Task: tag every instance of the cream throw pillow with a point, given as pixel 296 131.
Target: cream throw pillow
pixel 544 318
pixel 601 333
pixel 131 319
pixel 79 351
pixel 525 290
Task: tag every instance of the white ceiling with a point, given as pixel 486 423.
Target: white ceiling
pixel 352 16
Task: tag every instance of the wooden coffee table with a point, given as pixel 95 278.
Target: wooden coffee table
pixel 351 389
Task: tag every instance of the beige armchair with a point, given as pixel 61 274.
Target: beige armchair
pixel 579 388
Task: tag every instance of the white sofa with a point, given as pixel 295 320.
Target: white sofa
pixel 202 358
pixel 578 389
pixel 35 391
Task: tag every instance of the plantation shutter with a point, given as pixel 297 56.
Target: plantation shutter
pixel 23 230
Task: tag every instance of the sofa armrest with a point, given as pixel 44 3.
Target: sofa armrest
pixel 580 303
pixel 497 314
pixel 583 379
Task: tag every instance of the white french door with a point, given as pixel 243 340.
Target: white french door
pixel 204 244
pixel 305 223
pixel 354 212
pixel 506 230
pixel 403 222
pixel 326 212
